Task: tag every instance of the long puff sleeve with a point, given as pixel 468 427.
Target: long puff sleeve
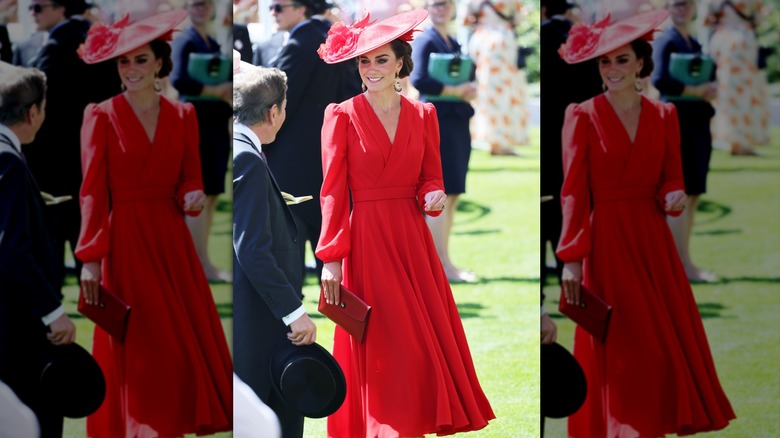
pixel 334 243
pixel 94 196
pixel 430 174
pixel 671 176
pixel 191 177
pixel 574 243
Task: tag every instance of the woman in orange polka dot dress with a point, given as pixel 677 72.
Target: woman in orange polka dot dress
pixel 741 113
pixel 501 118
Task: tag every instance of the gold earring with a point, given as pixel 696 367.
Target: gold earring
pixel 157 86
pixel 397 85
pixel 638 84
pixel 603 86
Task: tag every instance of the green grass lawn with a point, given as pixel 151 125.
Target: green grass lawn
pixel 737 236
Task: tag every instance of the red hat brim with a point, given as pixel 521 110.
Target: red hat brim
pixel 588 42
pixel 370 37
pixel 109 41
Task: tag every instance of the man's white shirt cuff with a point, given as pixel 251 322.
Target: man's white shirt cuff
pixel 297 313
pixel 51 317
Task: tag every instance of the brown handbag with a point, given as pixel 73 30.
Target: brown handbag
pixel 592 314
pixel 111 313
pixel 351 313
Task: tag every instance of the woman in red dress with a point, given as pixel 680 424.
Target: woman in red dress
pixel 654 374
pixel 172 374
pixel 413 375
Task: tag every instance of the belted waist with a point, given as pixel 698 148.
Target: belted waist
pixel 384 193
pixel 624 194
pixel 142 194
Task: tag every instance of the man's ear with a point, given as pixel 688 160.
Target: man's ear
pixel 273 113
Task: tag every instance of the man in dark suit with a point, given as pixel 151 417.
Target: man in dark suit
pixel 296 159
pixel 55 155
pixel 241 41
pixel 267 276
pixel 6 51
pixel 32 318
pixel 562 85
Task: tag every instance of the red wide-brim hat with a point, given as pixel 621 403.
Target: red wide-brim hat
pixel 109 41
pixel 588 42
pixel 361 37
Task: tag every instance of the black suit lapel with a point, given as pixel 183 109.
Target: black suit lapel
pixel 244 139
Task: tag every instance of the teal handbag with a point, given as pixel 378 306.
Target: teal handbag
pixel 690 69
pixel 449 69
pixel 209 69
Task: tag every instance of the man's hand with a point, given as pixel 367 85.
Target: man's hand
pixel 549 330
pixel 304 332
pixel 62 331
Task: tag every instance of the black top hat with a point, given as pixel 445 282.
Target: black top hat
pixel 563 386
pixel 317 6
pixel 308 379
pixel 72 381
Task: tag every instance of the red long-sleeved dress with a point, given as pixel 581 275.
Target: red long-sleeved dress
pixel 172 375
pixel 413 374
pixel 654 375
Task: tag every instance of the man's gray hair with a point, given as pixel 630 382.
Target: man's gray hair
pixel 20 89
pixel 255 91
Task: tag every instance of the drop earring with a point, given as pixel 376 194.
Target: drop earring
pixel 157 86
pixel 397 85
pixel 638 84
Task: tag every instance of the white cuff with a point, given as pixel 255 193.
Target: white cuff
pixel 543 310
pixel 297 313
pixel 51 317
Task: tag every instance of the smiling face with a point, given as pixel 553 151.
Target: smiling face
pixel 378 68
pixel 619 68
pixel 138 67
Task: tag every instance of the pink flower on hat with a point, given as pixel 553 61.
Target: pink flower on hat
pixel 582 40
pixel 342 40
pixel 101 39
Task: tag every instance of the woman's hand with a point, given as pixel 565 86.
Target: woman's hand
pixel 194 201
pixel 331 281
pixel 466 91
pixel 90 282
pixel 675 201
pixel 435 200
pixel 570 280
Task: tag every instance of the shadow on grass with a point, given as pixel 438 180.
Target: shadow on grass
pixel 729 280
pixel 225 310
pixel 473 210
pixel 743 169
pixel 470 310
pixel 505 169
pixel 477 232
pixel 717 232
pixel 488 280
pixel 224 205
pixel 713 210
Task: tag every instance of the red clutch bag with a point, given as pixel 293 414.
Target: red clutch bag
pixel 592 314
pixel 111 313
pixel 351 313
